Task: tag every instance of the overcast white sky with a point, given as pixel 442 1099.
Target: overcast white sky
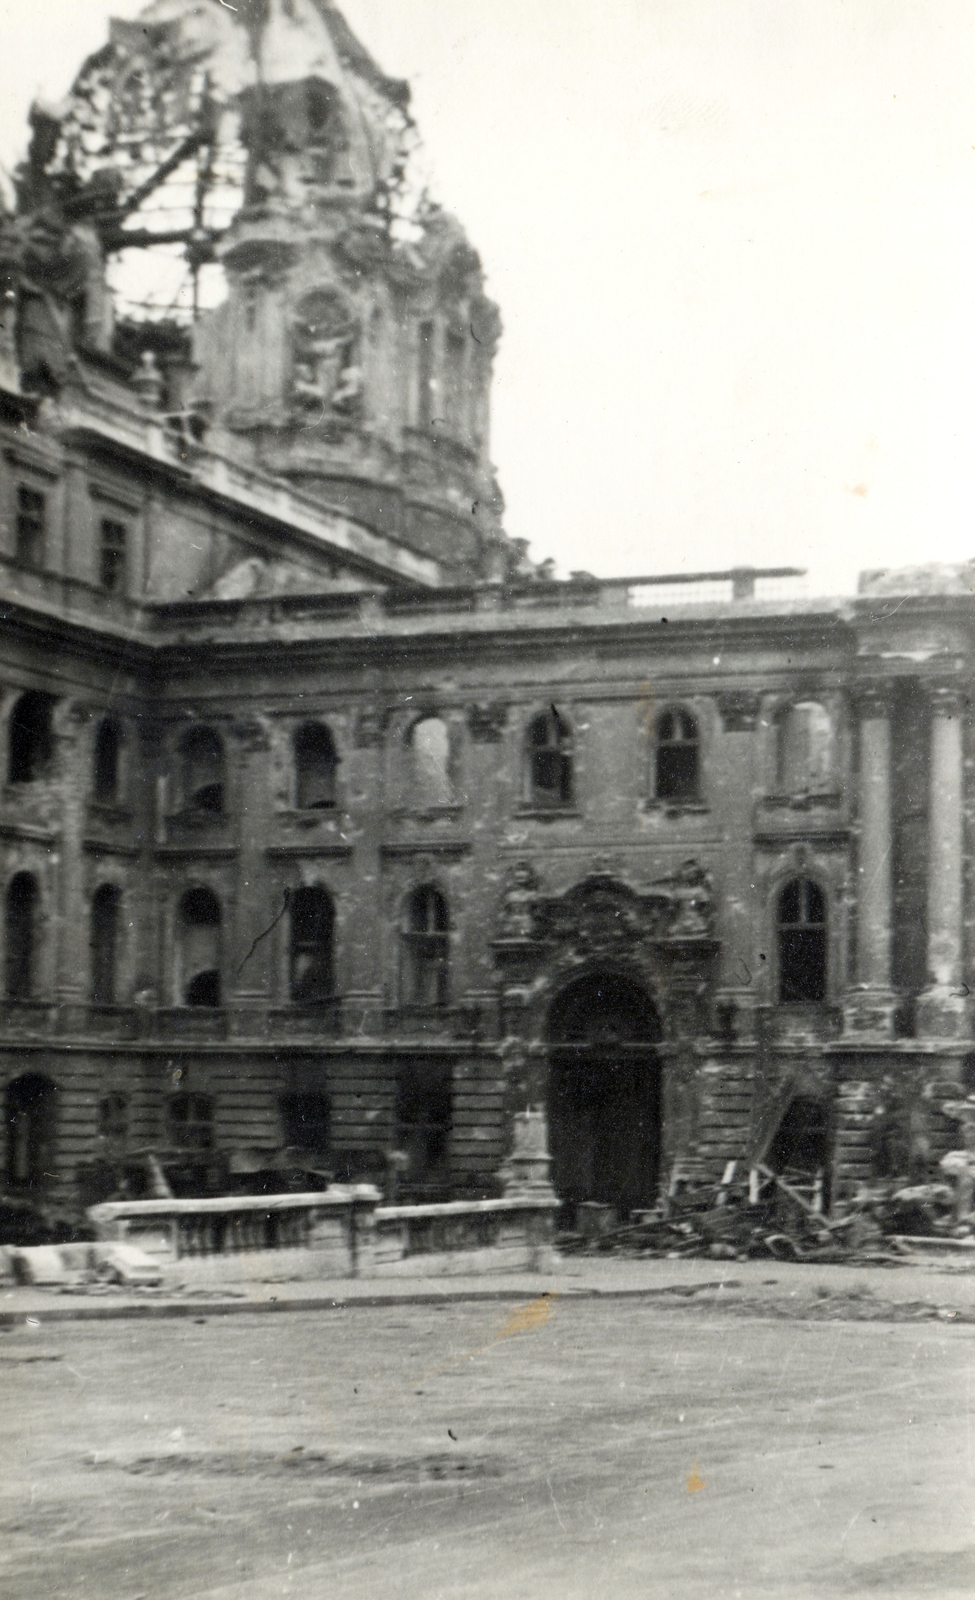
pixel 734 246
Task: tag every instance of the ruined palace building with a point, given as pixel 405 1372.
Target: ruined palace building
pixel 335 833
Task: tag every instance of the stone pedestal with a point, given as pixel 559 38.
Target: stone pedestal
pixel 526 1171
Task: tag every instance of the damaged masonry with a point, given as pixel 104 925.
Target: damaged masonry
pixel 340 842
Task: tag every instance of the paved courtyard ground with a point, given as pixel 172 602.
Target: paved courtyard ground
pixel 546 1449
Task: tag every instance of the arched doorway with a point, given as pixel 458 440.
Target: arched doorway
pixel 604 1093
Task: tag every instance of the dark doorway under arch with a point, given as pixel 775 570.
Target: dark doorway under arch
pixel 604 1094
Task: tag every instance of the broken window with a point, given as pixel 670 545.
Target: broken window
pixel 190 1118
pixel 312 921
pixel 306 1122
pixel 423 1120
pixel 201 750
pixel 677 757
pixel 30 1105
pixel 804 749
pixel 199 929
pixel 316 765
pixel 31 522
pixel 107 762
pixel 425 953
pixel 802 942
pixel 111 556
pixel 429 744
pixel 105 911
pixel 549 759
pixel 23 904
pixel 31 738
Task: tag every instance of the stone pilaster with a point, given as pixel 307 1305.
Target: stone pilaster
pixel 249 982
pixel 942 1010
pixel 869 1007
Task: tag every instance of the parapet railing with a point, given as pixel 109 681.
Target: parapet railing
pixel 345 1229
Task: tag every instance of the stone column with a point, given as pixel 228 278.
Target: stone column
pixel 869 1007
pixel 942 1009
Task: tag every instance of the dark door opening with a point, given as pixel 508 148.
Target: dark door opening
pixel 604 1095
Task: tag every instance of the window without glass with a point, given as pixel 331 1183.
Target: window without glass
pixel 23 903
pixel 30 1106
pixel 425 377
pixel 455 357
pixel 677 757
pixel 423 1119
pixel 190 1119
pixel 549 757
pixel 108 762
pixel 429 745
pixel 31 517
pixel 30 738
pixel 316 767
pixel 306 1122
pixel 106 909
pixel 199 930
pixel 312 922
pixel 802 942
pixel 201 750
pixel 113 1117
pixel 804 749
pixel 111 556
pixel 425 954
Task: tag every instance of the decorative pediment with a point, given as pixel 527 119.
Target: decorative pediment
pixel 602 915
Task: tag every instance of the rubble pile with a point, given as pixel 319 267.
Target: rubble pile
pixel 724 1224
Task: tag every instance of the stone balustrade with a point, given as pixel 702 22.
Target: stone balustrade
pixel 328 1231
pixel 340 1232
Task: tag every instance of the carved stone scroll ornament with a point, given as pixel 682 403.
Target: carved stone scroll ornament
pixel 487 723
pixel 517 919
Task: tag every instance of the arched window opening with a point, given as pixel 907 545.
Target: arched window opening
pixel 430 783
pixel 677 757
pixel 190 1120
pixel 425 937
pixel 203 770
pixel 312 923
pixel 106 907
pixel 21 936
pixel 549 760
pixel 31 737
pixel 802 942
pixel 316 765
pixel 423 1121
pixel 804 749
pixel 108 762
pixel 199 916
pixel 30 1107
pixel 801 1141
pixel 306 1123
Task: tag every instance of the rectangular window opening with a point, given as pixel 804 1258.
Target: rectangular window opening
pixel 31 521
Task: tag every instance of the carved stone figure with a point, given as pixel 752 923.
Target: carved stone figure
pixel 326 373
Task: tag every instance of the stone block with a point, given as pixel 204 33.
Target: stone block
pixel 125 1263
pixel 51 1265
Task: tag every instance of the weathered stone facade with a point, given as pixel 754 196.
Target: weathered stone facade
pixel 330 826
